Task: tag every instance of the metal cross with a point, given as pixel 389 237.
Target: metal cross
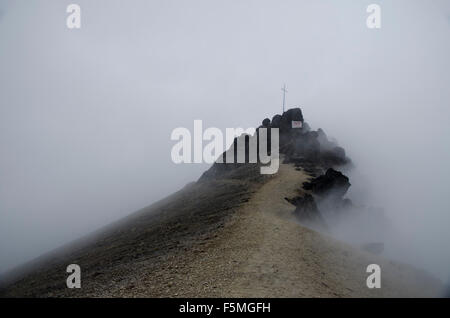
pixel 284 95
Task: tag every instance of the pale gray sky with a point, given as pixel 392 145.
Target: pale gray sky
pixel 86 115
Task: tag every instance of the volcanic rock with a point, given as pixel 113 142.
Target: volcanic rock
pixel 332 183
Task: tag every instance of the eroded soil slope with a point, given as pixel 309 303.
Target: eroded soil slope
pixel 221 238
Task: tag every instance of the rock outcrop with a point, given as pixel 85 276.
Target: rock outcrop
pixel 306 210
pixel 332 184
pixel 309 150
pixel 298 143
pixel 304 143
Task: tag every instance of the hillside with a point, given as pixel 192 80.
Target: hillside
pixel 230 234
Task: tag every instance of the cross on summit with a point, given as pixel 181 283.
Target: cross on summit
pixel 284 89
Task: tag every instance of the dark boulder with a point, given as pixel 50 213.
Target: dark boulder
pixel 332 183
pixel 293 114
pixel 339 153
pixel 306 208
pixel 325 144
pixel 307 145
pixel 334 157
pixel 276 120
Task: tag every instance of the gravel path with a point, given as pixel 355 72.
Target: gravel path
pixel 263 252
pixel 225 238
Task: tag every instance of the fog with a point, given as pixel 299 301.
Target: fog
pixel 86 114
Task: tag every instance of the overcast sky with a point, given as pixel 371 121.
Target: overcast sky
pixel 86 115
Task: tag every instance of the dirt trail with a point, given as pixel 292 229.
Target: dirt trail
pixel 224 238
pixel 264 252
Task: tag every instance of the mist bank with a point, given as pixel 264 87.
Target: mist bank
pixel 86 116
pixel 399 171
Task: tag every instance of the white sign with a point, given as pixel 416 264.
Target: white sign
pixel 296 124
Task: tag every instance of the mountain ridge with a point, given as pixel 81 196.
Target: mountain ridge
pixel 230 234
